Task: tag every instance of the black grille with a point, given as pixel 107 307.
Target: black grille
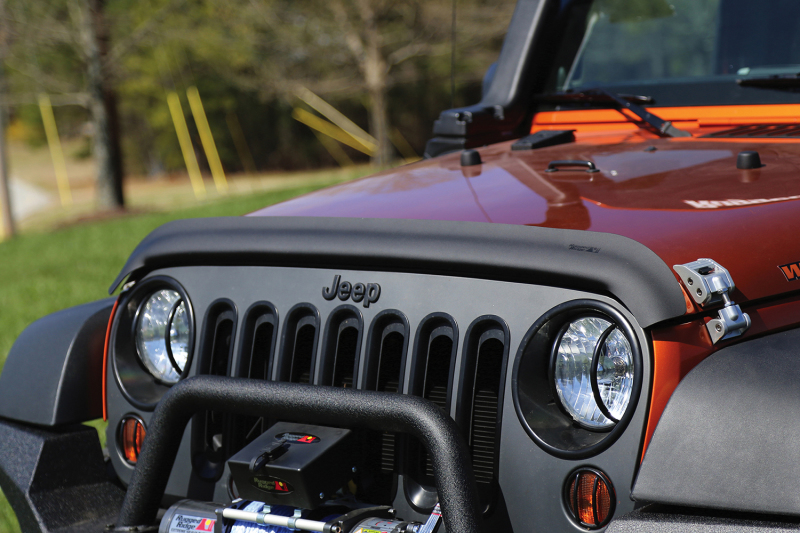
pixel 210 429
pixel 485 397
pixel 480 399
pixel 257 356
pixel 433 366
pixel 383 371
pixel 297 356
pixel 342 348
pixel 774 131
pixel 291 356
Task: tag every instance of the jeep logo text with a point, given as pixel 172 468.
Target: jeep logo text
pixel 369 293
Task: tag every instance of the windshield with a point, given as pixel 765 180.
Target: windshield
pixel 680 52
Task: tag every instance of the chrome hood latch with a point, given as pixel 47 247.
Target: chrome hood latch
pixel 710 283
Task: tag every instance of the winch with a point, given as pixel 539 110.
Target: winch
pixel 290 479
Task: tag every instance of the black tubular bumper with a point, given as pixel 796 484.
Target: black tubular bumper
pixel 55 478
pixel 438 432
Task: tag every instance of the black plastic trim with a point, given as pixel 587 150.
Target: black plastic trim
pixel 309 404
pixel 283 368
pixel 728 436
pixel 480 327
pixel 252 321
pixel 418 495
pixel 56 479
pixel 598 349
pixel 373 353
pixel 209 463
pixel 583 260
pixel 504 111
pixel 63 353
pixel 336 318
pixel 594 441
pixel 220 309
pixel 167 342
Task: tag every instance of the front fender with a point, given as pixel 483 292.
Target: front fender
pixel 728 437
pixel 53 373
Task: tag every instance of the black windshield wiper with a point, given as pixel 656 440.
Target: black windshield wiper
pixel 780 82
pixel 621 101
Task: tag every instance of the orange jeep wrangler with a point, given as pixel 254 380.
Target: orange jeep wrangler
pixel 580 312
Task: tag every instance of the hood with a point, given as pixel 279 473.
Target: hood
pixel 682 198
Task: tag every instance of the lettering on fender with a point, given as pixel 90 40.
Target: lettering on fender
pixel 791 271
pixel 368 293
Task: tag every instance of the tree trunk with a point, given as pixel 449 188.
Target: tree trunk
pixel 102 105
pixel 375 73
pixel 7 222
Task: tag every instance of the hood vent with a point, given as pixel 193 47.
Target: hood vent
pixel 756 131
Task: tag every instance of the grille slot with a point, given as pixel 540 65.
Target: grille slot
pixel 210 429
pixel 342 348
pixel 298 353
pixel 259 337
pixel 773 131
pixel 432 370
pixel 384 368
pixel 479 406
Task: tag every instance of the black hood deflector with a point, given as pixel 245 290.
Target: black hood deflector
pixel 582 260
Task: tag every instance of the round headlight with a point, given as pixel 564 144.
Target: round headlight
pixel 593 372
pixel 162 335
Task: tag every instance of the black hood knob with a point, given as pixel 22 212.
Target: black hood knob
pixel 748 160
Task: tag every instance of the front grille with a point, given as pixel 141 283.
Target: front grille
pixel 297 359
pixel 773 131
pixel 210 447
pixel 288 351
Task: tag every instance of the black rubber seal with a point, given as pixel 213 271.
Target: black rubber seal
pixel 598 349
pixel 167 341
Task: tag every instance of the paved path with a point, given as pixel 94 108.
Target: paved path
pixel 27 199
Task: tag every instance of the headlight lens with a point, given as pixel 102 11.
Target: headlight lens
pixel 162 335
pixel 594 372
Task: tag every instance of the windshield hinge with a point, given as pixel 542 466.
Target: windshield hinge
pixel 710 283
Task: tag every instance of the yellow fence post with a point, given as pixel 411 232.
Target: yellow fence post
pixel 403 146
pixel 200 119
pixel 331 130
pixel 185 141
pixel 54 143
pixel 331 113
pixel 334 149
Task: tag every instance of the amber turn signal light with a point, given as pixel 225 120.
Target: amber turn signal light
pixel 590 498
pixel 131 436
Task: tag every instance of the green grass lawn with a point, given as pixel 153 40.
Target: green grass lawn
pixel 42 273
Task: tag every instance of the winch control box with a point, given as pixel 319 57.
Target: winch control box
pixel 294 464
